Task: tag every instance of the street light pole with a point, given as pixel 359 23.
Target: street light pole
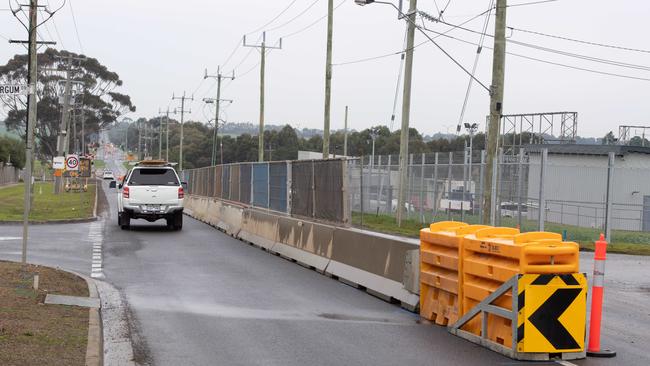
pixel 406 98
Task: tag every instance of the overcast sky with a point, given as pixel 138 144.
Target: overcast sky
pixel 162 47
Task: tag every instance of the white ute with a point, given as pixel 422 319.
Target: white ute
pixel 151 191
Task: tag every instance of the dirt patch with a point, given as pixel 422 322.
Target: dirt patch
pixel 32 333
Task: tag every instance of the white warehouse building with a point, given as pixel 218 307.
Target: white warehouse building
pixel 575 185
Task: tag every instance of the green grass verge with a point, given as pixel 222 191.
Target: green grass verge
pixel 47 205
pixel 99 164
pixel 624 242
pixel 127 165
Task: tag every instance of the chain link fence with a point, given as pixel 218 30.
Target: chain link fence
pixel 581 195
pixel 314 189
pixel 584 194
pixel 9 174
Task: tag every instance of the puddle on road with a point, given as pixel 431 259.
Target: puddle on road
pixel 358 318
pixel 644 290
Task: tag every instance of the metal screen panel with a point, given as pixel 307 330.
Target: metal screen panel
pixel 245 183
pixel 278 186
pixel 225 182
pixel 234 182
pixel 218 172
pixel 261 185
pixel 302 199
pixel 189 178
pixel 210 181
pixel 646 213
pixel 328 190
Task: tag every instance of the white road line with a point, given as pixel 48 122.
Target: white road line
pixel 96 238
pixel 7 238
pixel 565 363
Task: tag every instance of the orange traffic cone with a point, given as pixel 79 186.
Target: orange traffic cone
pixel 597 290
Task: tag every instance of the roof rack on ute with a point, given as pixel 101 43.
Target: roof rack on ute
pixel 153 163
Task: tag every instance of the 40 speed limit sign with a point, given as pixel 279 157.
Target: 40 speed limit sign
pixel 72 162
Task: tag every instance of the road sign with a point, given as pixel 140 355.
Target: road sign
pixel 58 162
pixel 72 162
pixel 552 313
pixel 84 168
pixel 14 89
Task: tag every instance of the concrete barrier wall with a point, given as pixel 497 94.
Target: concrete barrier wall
pixel 385 266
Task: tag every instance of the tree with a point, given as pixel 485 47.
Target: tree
pixel 95 95
pixel 639 141
pixel 12 151
pixel 609 139
pixel 286 144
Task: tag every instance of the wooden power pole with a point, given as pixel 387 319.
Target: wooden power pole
pixel 496 111
pixel 328 80
pixel 263 47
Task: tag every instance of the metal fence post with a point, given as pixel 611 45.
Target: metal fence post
pixel 361 189
pixel 435 187
pixel 520 182
pixel 609 197
pixel 422 189
pixel 313 189
pixel 252 184
pixel 345 192
pixel 389 195
pixel 481 185
pixel 380 174
pixel 449 180
pixel 462 209
pixel 542 198
pixel 409 194
pixel 289 183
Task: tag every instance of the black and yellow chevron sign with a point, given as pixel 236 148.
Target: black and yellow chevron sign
pixel 552 313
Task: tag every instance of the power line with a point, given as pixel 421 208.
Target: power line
pixel 532 3
pixel 579 41
pixel 414 47
pixel 274 19
pixel 476 59
pixel 74 21
pixel 312 24
pixel 448 55
pixel 399 81
pixel 58 36
pixel 232 53
pixel 444 9
pixel 552 62
pixel 561 52
pixel 47 29
pixel 294 18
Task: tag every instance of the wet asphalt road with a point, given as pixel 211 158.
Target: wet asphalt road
pixel 200 297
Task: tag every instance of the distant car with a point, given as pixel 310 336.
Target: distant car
pixel 511 209
pixel 108 175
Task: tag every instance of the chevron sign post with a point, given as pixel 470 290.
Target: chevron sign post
pixel 552 313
